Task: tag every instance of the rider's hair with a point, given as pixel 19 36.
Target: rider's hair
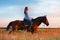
pixel 26 8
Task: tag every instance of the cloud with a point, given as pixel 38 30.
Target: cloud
pixel 11 12
pixel 8 9
pixel 46 7
pixel 51 8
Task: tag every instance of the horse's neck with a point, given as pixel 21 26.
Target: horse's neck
pixel 37 22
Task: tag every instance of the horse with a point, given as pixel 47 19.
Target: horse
pixel 22 25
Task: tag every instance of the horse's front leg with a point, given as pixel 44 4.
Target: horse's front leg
pixel 32 28
pixel 35 28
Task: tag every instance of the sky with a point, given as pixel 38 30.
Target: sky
pixel 11 10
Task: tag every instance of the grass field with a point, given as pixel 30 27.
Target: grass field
pixel 42 34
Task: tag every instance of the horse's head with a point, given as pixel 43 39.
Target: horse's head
pixel 41 19
pixel 37 21
pixel 45 20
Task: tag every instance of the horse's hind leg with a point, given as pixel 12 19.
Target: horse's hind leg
pixel 12 31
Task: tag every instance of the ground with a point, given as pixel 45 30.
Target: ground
pixel 41 34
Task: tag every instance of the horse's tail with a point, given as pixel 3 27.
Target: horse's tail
pixel 9 26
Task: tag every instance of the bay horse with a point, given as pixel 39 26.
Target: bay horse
pixel 22 25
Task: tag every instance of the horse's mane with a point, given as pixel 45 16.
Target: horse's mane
pixel 38 20
pixel 40 17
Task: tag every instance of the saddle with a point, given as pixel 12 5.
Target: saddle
pixel 26 24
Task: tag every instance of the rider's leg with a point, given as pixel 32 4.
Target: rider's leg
pixel 29 26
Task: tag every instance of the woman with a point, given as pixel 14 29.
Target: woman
pixel 27 18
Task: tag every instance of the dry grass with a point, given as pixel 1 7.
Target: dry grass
pixel 42 34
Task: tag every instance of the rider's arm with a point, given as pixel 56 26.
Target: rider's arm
pixel 28 16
